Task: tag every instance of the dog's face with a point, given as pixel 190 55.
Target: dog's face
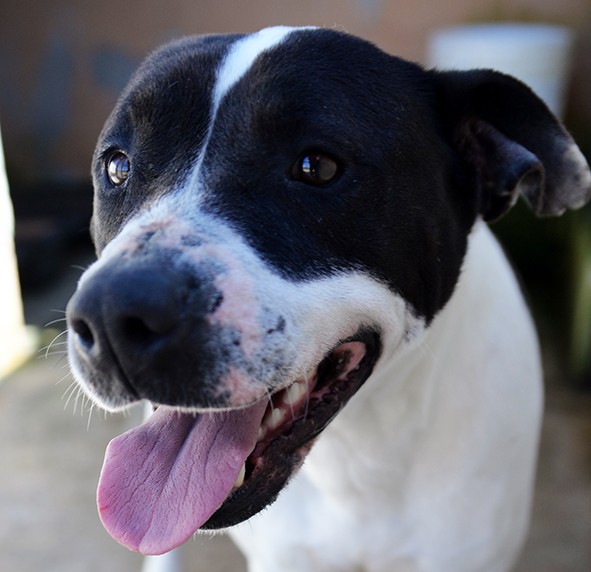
pixel 275 214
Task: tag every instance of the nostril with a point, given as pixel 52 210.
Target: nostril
pixel 147 327
pixel 137 331
pixel 84 333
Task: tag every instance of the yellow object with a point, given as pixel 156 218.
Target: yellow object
pixel 17 342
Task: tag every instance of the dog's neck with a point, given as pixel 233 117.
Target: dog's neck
pixel 422 387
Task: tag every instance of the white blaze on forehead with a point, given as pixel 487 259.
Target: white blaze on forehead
pixel 235 65
pixel 242 56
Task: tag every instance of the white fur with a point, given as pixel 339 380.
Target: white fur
pixel 580 178
pixel 241 57
pixel 233 68
pixel 319 313
pixel 429 467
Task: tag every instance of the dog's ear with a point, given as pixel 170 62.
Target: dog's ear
pixel 513 142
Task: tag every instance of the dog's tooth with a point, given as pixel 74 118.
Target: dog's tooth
pixel 295 392
pixel 261 433
pixel 277 417
pixel 240 478
pixel 273 419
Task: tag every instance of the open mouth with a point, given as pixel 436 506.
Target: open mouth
pixel 180 472
pixel 293 419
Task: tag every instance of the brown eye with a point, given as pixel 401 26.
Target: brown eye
pixel 118 168
pixel 316 169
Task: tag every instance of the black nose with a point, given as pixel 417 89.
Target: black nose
pixel 133 308
pixel 136 326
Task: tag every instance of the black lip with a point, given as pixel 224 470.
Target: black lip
pixel 285 453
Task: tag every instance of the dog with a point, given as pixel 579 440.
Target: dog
pixel 295 271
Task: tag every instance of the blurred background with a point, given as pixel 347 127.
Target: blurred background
pixel 62 66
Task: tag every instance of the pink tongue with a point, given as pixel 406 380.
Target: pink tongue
pixel 162 480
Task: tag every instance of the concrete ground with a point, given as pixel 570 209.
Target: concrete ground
pixel 51 451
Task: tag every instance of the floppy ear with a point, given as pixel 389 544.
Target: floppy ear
pixel 513 142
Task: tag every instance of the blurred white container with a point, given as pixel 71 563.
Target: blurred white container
pixel 539 55
pixel 16 341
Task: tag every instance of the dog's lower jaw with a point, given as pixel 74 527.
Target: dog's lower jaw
pixel 294 418
pixel 447 422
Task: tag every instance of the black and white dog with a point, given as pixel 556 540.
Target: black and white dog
pixel 289 218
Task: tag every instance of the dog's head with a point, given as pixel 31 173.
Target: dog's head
pixel 274 215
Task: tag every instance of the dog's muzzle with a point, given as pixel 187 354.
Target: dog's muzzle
pixel 156 327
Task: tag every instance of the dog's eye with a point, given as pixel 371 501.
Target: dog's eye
pixel 118 167
pixel 316 169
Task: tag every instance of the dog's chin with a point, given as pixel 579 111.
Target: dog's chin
pixel 294 418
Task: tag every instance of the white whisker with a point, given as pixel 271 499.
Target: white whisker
pixel 270 398
pixel 62 379
pixel 56 321
pixel 61 353
pixel 90 411
pixel 63 357
pixel 79 399
pixel 69 392
pixel 79 267
pixel 54 341
pixel 87 403
pixel 307 406
pixel 45 348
